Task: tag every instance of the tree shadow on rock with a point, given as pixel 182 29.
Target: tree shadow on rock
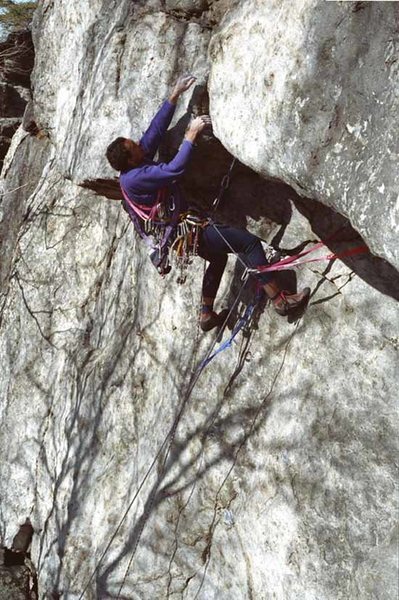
pixel 175 475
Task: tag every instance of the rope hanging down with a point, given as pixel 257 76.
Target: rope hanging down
pixel 172 433
pixel 167 443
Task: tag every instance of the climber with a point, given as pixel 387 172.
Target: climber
pixel 148 185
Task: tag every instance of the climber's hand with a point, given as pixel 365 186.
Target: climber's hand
pixel 182 85
pixel 196 126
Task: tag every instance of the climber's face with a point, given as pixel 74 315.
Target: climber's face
pixel 135 151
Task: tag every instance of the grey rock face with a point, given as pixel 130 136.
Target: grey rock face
pixel 313 101
pixel 274 476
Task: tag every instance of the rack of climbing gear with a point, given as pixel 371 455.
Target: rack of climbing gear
pixel 163 228
pixel 186 242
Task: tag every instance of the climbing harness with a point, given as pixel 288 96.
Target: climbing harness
pixel 163 228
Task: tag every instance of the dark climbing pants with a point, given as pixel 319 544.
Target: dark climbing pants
pixel 215 248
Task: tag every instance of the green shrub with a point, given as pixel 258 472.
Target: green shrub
pixel 15 16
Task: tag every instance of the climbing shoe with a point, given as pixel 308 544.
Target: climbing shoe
pixel 211 320
pixel 286 303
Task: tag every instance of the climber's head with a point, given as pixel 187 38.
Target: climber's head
pixel 124 154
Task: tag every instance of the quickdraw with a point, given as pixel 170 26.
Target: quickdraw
pixel 223 186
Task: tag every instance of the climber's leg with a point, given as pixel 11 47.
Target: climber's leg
pixel 210 285
pixel 225 239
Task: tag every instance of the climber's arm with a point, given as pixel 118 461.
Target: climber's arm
pixel 150 178
pixel 157 129
pixel 160 123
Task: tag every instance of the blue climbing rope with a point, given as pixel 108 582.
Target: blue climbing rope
pixel 241 323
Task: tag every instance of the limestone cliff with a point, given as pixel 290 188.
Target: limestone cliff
pixel 275 477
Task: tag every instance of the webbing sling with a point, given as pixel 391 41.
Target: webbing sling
pixel 296 260
pixel 145 213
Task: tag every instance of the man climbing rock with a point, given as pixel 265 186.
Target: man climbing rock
pixel 156 206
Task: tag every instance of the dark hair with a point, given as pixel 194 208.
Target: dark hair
pixel 118 155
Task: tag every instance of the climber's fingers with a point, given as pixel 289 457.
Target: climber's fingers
pixel 199 123
pixel 184 82
pixel 206 118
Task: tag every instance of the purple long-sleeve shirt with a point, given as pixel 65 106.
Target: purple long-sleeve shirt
pixel 143 183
